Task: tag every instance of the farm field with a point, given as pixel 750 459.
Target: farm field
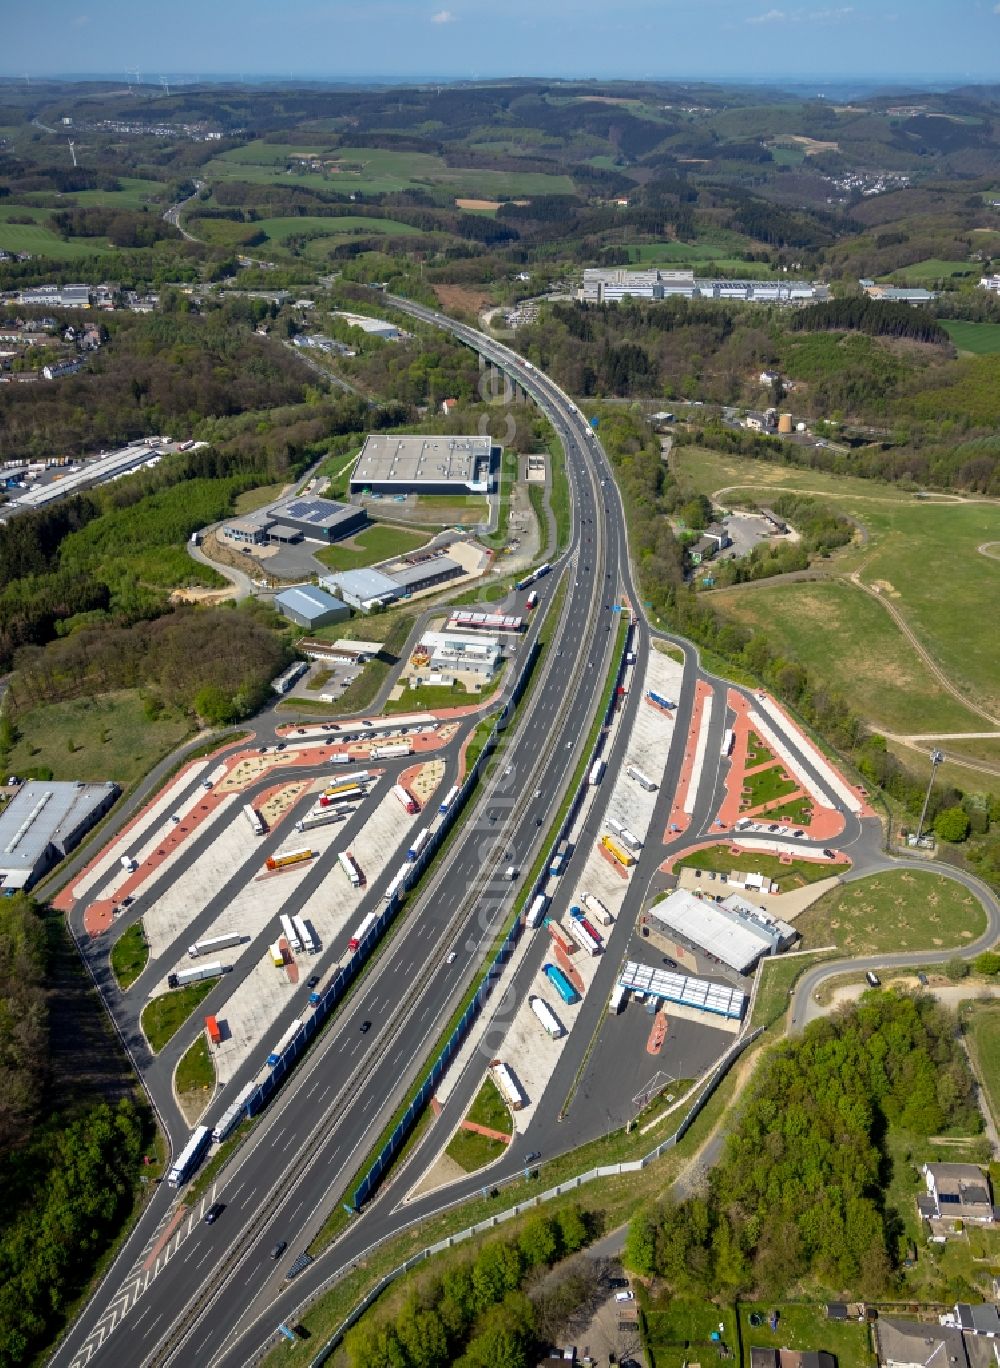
pixel 41 241
pixel 376 170
pixel 933 268
pixel 134 193
pixel 222 232
pixel 983 339
pixel 901 910
pixel 905 537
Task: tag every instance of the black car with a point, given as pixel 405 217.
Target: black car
pixel 312 981
pixel 365 1027
pixel 279 1249
pixel 535 1154
pixel 214 1212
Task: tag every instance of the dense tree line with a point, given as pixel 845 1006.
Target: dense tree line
pixel 68 1178
pixel 879 318
pixel 122 227
pixel 222 658
pixel 159 373
pixel 800 1192
pixel 475 1315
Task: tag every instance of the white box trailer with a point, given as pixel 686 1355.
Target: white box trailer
pixel 215 943
pixel 643 780
pixel 393 752
pixel 510 1089
pixel 550 1022
pixel 323 816
pixel 291 935
pixel 616 999
pixel 581 935
pixel 596 773
pixel 595 906
pixel 234 1113
pixel 536 911
pixel 203 971
pixel 304 934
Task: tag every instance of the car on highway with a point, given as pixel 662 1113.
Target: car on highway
pixel 312 980
pixel 213 1213
pixel 452 956
pixel 365 1027
pixel 279 1249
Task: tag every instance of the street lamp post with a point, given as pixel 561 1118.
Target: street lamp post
pixel 936 758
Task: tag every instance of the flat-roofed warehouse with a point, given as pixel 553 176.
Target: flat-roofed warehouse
pixel 736 933
pixel 42 823
pixel 391 464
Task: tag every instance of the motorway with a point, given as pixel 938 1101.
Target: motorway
pixel 221 1299
pixel 207 1296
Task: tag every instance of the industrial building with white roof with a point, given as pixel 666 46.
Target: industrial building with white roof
pixel 735 932
pixel 394 464
pixel 42 823
pixel 605 285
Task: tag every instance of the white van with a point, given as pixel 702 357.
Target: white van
pixel 510 873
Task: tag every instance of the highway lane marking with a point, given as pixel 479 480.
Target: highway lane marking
pixel 236 1191
pixel 207 1255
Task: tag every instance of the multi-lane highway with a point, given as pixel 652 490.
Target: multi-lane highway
pixel 309 1144
pixel 221 1297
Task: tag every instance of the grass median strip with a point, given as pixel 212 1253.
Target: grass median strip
pixel 164 1016
pixel 129 955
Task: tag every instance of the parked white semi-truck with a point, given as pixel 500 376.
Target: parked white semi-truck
pixel 213 944
pixel 598 909
pixel 203 971
pixel 550 1022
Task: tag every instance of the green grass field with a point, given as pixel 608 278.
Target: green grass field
pixel 279 230
pixel 195 1069
pixel 134 193
pixel 471 1150
pixel 905 537
pixel 901 910
pixel 373 544
pixel 679 1330
pixel 489 1109
pixel 41 241
pixel 872 662
pixel 765 786
pixel 982 1029
pixel 162 1017
pixel 933 268
pixel 794 875
pixel 376 170
pixel 129 955
pixel 983 339
pixel 110 734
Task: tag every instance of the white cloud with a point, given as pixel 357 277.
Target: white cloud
pixel 823 16
pixel 80 20
pixel 443 17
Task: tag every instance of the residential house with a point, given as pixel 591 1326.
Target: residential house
pixel 981 1319
pixel 957 1192
pixel 912 1344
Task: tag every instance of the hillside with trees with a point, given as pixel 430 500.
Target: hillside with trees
pixel 800 1195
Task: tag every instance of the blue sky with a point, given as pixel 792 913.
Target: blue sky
pixel 774 40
